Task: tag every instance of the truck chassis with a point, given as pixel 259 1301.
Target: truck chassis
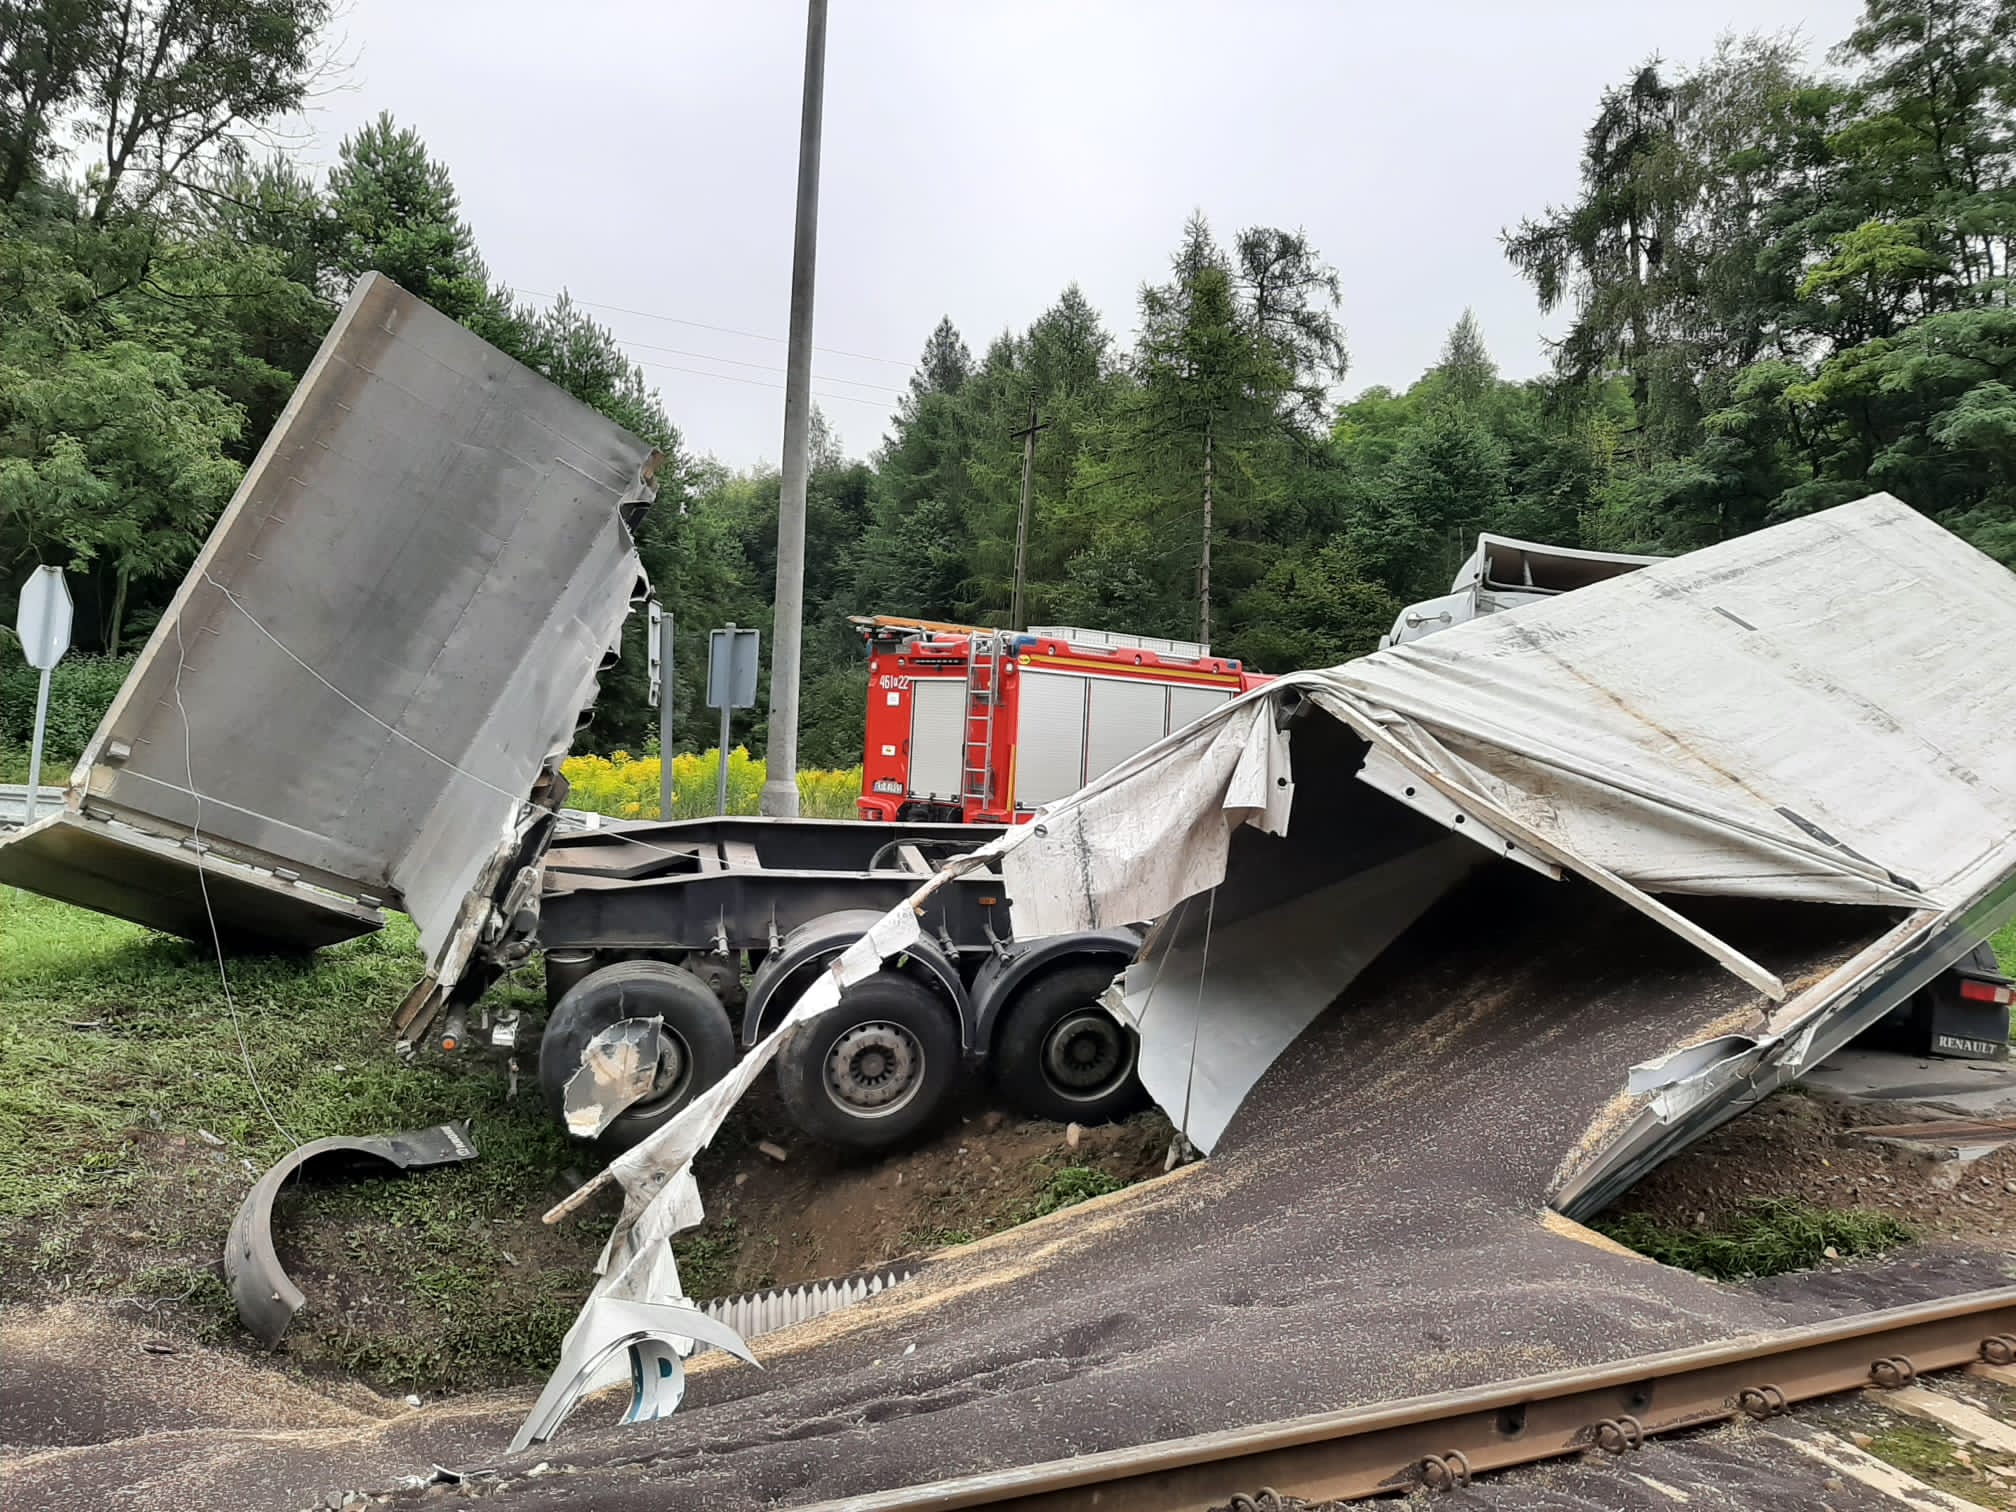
pixel 716 925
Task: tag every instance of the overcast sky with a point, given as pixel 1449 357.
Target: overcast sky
pixel 982 154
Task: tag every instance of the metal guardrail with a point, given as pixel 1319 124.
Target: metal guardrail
pixel 14 803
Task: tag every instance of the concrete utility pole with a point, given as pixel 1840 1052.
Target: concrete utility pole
pixel 1204 562
pixel 780 785
pixel 1028 435
pixel 667 695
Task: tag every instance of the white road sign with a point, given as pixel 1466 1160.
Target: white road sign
pixel 44 620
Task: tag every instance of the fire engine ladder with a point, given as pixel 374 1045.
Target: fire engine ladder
pixel 983 685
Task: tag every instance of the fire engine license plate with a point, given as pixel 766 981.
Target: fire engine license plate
pixel 888 785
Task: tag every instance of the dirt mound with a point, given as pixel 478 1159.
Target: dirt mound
pixel 1805 1147
pixel 821 1212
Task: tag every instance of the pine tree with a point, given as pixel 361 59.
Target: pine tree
pixel 395 211
pixel 1467 372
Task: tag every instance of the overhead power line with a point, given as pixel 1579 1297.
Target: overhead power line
pixel 762 367
pixel 673 367
pixel 701 325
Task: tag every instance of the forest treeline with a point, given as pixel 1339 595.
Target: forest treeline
pixel 1781 285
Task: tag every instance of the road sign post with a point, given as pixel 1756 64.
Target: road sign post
pixel 663 691
pixel 731 684
pixel 44 626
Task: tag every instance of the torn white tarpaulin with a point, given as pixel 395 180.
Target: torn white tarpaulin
pixel 660 1198
pixel 1104 858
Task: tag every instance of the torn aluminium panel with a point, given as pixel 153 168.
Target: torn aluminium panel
pixel 385 644
pixel 660 1198
pixel 1805 713
pixel 266 1298
pixel 618 1066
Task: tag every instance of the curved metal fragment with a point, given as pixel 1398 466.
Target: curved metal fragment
pixel 267 1300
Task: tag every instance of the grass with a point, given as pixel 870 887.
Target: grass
pixel 120 1064
pixel 1771 1236
pixel 1068 1187
pixel 110 1031
pixel 1062 1188
pixel 1920 1450
pixel 706 1259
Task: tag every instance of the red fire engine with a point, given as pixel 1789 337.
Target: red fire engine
pixel 968 725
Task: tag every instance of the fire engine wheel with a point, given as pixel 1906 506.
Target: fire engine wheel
pixel 696 1045
pixel 875 1070
pixel 1061 1055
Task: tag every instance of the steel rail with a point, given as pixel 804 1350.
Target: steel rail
pixel 1445 1439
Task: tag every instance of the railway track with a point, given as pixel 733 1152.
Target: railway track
pixel 1445 1440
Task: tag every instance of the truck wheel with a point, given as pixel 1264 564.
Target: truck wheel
pixel 876 1069
pixel 697 1048
pixel 1060 1055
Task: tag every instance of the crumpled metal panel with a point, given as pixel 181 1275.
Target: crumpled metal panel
pixel 118 870
pixel 266 1297
pixel 393 628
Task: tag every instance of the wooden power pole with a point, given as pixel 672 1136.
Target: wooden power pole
pixel 1028 435
pixel 1204 561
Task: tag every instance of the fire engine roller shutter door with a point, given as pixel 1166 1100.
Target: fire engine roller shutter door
pixel 1050 739
pixel 1124 717
pixel 1188 705
pixel 937 736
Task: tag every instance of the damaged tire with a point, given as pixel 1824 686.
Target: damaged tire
pixel 696 1050
pixel 873 1071
pixel 1062 1056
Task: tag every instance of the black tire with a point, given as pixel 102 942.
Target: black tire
pixel 696 1023
pixel 903 1066
pixel 1060 1055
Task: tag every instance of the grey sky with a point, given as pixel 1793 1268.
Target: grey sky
pixel 979 157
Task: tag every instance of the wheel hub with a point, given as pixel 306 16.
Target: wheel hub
pixel 671 1073
pixel 874 1068
pixel 1087 1053
pixel 671 1063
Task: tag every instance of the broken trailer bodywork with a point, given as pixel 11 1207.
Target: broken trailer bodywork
pixel 265 1296
pixel 1801 716
pixel 360 694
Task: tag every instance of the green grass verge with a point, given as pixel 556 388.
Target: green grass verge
pixel 108 1030
pixel 121 1063
pixel 1771 1236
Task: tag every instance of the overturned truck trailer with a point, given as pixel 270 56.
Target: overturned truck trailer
pixel 1804 715
pixel 1800 719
